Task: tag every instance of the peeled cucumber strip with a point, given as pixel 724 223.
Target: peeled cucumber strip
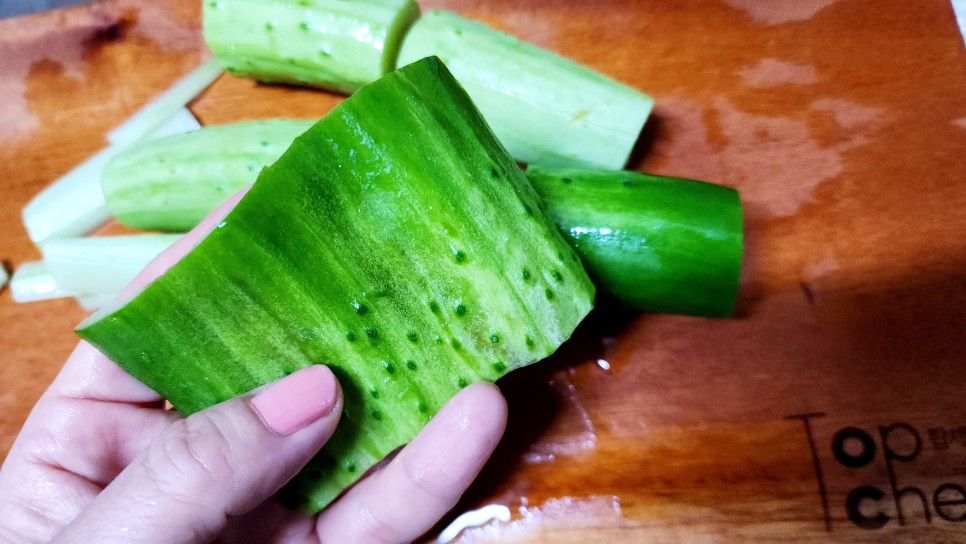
pixel 74 204
pixel 662 244
pixel 395 241
pixel 544 108
pixel 95 301
pixel 172 183
pixel 339 45
pixel 94 270
pixel 32 282
pixel 101 265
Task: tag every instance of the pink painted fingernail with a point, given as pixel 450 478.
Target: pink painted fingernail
pixel 296 400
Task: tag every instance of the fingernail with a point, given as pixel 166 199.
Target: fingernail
pixel 296 400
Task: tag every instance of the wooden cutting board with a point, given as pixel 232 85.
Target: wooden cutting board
pixel 831 408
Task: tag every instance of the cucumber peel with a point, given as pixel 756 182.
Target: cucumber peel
pixel 339 45
pixel 395 241
pixel 665 245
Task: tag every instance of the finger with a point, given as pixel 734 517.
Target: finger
pixel 181 247
pixel 75 447
pixel 90 439
pixel 91 375
pixel 215 464
pixel 408 496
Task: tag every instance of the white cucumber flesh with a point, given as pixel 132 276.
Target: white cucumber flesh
pixel 74 204
pixel 101 265
pixel 32 282
pixel 544 108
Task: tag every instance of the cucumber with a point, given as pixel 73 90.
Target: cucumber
pixel 544 108
pixel 162 187
pixel 682 254
pixel 395 241
pixel 73 205
pixel 338 45
pixel 32 282
pixel 98 267
pixel 91 269
pixel 662 244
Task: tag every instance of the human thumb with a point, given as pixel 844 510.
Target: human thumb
pixel 215 464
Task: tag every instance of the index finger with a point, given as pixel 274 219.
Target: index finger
pixel 90 374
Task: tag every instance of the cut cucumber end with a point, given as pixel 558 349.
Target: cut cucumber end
pixel 392 241
pixel 32 282
pixel 544 108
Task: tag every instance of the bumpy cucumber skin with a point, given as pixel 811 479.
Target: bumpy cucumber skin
pixel 395 241
pixel 170 184
pixel 544 108
pixel 339 45
pixel 658 244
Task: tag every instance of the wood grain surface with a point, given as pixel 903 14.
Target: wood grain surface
pixel 831 408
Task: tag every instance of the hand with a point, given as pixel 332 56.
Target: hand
pixel 101 460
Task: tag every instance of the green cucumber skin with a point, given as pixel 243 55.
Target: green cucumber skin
pixel 660 244
pixel 339 45
pixel 170 184
pixel 544 108
pixel 408 252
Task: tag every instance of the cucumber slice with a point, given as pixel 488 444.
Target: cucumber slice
pixel 660 244
pixel 172 183
pixel 338 45
pixel 395 241
pixel 544 108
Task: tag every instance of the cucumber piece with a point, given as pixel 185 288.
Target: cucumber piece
pixel 172 183
pixel 544 108
pixel 32 282
pixel 660 244
pixel 682 239
pixel 339 45
pixel 395 241
pixel 167 108
pixel 101 265
pixel 95 301
pixel 93 269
